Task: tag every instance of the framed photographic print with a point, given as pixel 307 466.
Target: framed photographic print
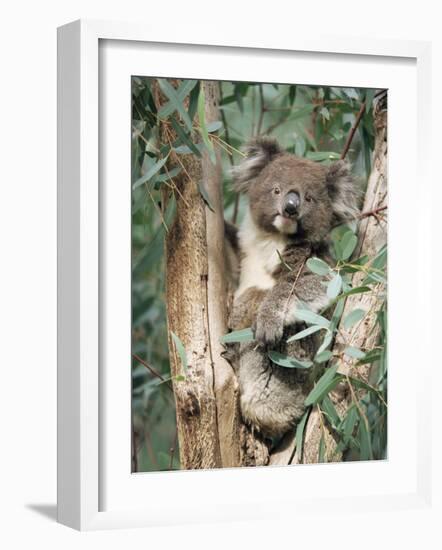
pixel 230 331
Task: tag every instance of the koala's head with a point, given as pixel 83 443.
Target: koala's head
pixel 293 195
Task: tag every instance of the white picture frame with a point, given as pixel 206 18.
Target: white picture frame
pixel 84 443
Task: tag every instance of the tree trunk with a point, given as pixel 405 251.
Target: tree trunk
pixel 225 383
pixel 372 236
pixel 208 420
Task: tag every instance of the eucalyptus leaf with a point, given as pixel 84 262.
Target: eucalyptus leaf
pixel 300 433
pixel 318 266
pixel 288 362
pixel 176 98
pixel 168 175
pixel 348 244
pixel 329 409
pixel 349 422
pixel 150 173
pixel 357 290
pixel 365 441
pixel 185 139
pixel 352 351
pixel 214 126
pixel 325 384
pixel 300 146
pixel 337 314
pixel 358 383
pixel 205 195
pixel 306 332
pixel 312 318
pixel 324 356
pixel 370 357
pixel 180 349
pixel 353 317
pixel 380 260
pixel 301 112
pixel 374 277
pixel 244 335
pixel 193 100
pixel 325 343
pixel 369 95
pixel 334 286
pixel 185 150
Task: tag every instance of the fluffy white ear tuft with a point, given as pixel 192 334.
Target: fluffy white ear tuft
pixel 342 191
pixel 259 152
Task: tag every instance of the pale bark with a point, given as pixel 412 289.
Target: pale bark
pixel 186 297
pixel 207 412
pixel 225 383
pixel 372 236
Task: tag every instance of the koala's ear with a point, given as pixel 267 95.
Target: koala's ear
pixel 342 191
pixel 259 152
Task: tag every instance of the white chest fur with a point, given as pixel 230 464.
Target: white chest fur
pixel 260 255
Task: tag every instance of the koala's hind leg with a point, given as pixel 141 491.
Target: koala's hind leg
pixel 272 397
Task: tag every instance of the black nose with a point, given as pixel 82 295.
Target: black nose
pixel 291 204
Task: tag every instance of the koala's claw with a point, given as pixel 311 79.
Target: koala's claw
pixel 269 330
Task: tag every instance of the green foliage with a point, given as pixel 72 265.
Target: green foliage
pixel 309 121
pixel 288 362
pixel 318 266
pixel 244 335
pixel 363 431
pixel 180 349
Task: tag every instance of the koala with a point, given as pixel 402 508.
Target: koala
pixel 293 203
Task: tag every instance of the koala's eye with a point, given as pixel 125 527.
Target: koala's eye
pixel 309 198
pixel 277 190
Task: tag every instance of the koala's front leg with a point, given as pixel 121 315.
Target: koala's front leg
pixel 270 320
pixel 278 308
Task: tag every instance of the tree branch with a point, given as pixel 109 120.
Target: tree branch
pixel 353 131
pixel 373 212
pixel 152 370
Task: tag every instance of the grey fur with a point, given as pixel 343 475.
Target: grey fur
pixel 342 191
pixel 272 397
pixel 258 153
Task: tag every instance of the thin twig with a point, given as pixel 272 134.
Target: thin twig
pixel 294 285
pixel 353 131
pixel 283 119
pixel 228 146
pixel 152 370
pixel 356 402
pixel 163 221
pixel 373 212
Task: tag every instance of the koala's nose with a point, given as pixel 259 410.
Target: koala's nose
pixel 291 204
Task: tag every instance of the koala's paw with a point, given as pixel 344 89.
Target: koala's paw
pixel 269 327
